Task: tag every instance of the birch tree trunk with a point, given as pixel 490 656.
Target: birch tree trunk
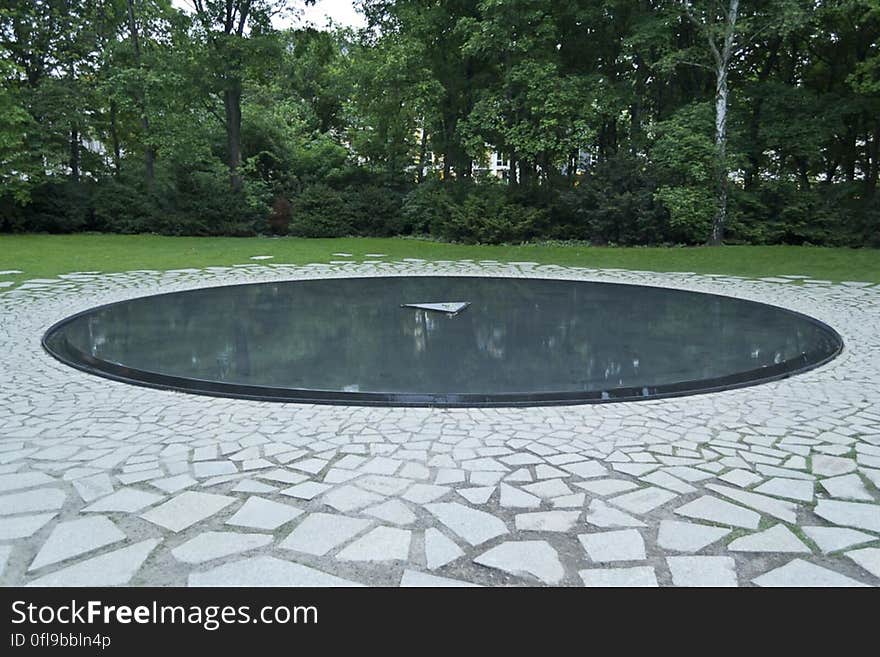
pixel 721 99
pixel 721 55
pixel 722 65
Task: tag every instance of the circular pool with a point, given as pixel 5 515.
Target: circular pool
pixel 441 341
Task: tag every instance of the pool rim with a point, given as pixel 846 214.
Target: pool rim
pixel 159 381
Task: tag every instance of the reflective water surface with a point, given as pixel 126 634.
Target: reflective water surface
pixel 519 341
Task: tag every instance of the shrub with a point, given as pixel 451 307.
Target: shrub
pixel 613 203
pixel 488 216
pixel 320 211
pixel 375 210
pixel 427 207
pixel 691 210
pixel 121 206
pixel 56 206
pixel 203 203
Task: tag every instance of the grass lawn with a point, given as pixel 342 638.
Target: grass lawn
pixel 43 256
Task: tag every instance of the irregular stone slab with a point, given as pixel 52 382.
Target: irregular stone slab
pixel 794 489
pixel 776 539
pixel 214 545
pixel 39 499
pixel 850 514
pixel 785 511
pixel 702 571
pixel 573 501
pixel 203 469
pixel 393 511
pixel 741 478
pixel 585 469
pixel 545 471
pixel 260 513
pixel 112 569
pixel 522 558
pixel 266 571
pixel 548 489
pixel 484 465
pixel 712 509
pixel 833 539
pixel 635 469
pixel 75 537
pixel 418 471
pixel 640 576
pixel 622 545
pixel 484 478
pixel 477 495
pixel 850 487
pixel 831 466
pixel 383 484
pixel 687 536
pixel 256 464
pixel 23 480
pixel 424 493
pixel 605 487
pixel 523 475
pixel 547 521
pixel 139 476
pixel 321 532
pixel 186 510
pixel 414 578
pixel 439 549
pixel 666 480
pixel 804 573
pixel 174 484
pixel 642 500
pixel 23 526
pixel 283 476
pixel 125 500
pixel 307 490
pixel 379 544
pixel 787 472
pixel 602 515
pixel 475 527
pixel 515 498
pixel 692 475
pixel 379 465
pixel 867 558
pixel 252 486
pixel 312 466
pixel 57 453
pixel 350 498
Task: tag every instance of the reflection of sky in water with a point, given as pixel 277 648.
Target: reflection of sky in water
pixel 517 335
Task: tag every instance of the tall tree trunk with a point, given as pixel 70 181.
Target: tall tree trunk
pixel 635 109
pixel 721 97
pixel 722 56
pixel 232 104
pixel 74 152
pixel 141 100
pixel 114 137
pixel 873 149
pixel 423 152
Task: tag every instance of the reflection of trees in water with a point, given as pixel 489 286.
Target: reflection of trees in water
pixel 517 334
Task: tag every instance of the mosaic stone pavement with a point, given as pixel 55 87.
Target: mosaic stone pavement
pixel 103 483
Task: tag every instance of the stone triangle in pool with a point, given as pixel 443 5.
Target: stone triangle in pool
pixel 448 307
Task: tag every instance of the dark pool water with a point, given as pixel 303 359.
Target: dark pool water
pixel 520 341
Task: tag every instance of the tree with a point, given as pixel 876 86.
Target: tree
pixel 234 31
